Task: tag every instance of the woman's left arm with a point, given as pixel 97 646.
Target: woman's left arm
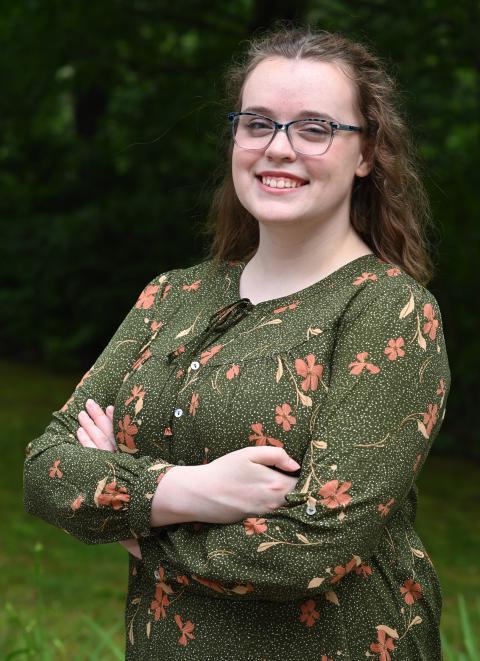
pixel 386 399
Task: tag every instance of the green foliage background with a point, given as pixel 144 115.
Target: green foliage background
pixel 111 117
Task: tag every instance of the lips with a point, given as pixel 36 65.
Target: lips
pixel 277 175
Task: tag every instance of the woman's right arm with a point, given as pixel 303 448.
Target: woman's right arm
pixel 96 496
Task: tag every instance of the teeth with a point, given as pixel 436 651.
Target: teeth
pixel 281 182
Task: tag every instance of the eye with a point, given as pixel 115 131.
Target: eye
pixel 318 128
pixel 258 124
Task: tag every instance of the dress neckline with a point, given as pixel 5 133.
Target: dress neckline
pixel 343 273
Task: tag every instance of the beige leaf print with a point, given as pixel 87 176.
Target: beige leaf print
pixel 321 445
pixel 418 553
pixel 157 467
pixel 100 486
pixel 302 538
pixel 416 620
pixel 305 399
pixel 391 632
pixel 279 372
pixel 264 546
pixel 420 339
pixel 408 308
pixel 149 628
pixel 315 582
pixel 332 597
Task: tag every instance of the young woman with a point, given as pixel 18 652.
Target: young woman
pixel 254 429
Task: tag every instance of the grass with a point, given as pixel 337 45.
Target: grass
pixel 64 600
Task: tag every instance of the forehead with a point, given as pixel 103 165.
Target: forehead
pixel 289 87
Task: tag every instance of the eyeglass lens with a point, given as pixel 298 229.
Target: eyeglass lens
pixel 306 136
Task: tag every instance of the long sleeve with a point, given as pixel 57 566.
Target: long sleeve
pixel 94 495
pixel 387 387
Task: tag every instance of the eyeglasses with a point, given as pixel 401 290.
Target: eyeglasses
pixel 311 137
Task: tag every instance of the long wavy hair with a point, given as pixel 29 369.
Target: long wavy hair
pixel 389 207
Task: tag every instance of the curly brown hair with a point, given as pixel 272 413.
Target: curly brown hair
pixel 389 207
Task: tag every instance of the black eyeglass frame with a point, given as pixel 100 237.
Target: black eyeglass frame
pixel 334 126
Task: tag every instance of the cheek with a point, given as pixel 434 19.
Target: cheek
pixel 242 162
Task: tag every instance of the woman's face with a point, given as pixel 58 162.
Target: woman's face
pixel 284 90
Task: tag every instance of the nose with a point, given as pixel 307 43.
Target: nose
pixel 280 147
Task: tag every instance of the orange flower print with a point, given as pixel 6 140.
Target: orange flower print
pixel 186 630
pixel 147 297
pixel 135 393
pixel 394 348
pixel 308 613
pixel 55 470
pixel 145 356
pixel 324 657
pixel 283 416
pixel 165 292
pixel 127 432
pixel 364 277
pixel 161 600
pixel 292 306
pixel 385 509
pixel 179 373
pixel 159 604
pixel 260 438
pixel 363 570
pixel 383 647
pixel 77 503
pixel 312 373
pixel 213 585
pixel 357 366
pixel 334 495
pixel 411 591
pixel 209 353
pixel 341 571
pixel 393 272
pixel 430 418
pixel 193 287
pixel 431 325
pixel 192 409
pixel 113 497
pixel 183 580
pixel 255 526
pixel 155 326
pixel 233 372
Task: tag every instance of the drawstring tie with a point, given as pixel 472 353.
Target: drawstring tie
pixel 219 322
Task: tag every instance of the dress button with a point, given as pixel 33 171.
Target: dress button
pixel 178 413
pixel 194 365
pixel 311 509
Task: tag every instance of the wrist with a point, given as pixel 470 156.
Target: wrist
pixel 173 500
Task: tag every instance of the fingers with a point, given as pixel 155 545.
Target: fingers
pixel 100 419
pixel 96 427
pixel 273 457
pixel 84 438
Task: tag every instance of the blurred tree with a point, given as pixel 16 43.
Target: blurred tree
pixel 111 117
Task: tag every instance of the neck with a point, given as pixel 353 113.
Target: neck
pixel 288 259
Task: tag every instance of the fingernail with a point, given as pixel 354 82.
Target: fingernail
pixel 294 464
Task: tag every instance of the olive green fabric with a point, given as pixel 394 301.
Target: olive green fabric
pixel 350 376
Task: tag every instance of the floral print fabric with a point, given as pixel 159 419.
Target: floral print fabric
pixel 350 376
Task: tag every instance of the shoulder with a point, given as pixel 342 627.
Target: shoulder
pixel 181 285
pixel 387 292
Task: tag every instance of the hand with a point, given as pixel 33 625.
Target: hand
pixel 96 431
pixel 96 427
pixel 233 487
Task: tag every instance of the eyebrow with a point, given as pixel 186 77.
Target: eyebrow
pixel 262 110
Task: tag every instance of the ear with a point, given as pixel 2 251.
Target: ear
pixel 365 160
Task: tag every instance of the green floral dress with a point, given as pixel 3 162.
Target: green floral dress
pixel 350 376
